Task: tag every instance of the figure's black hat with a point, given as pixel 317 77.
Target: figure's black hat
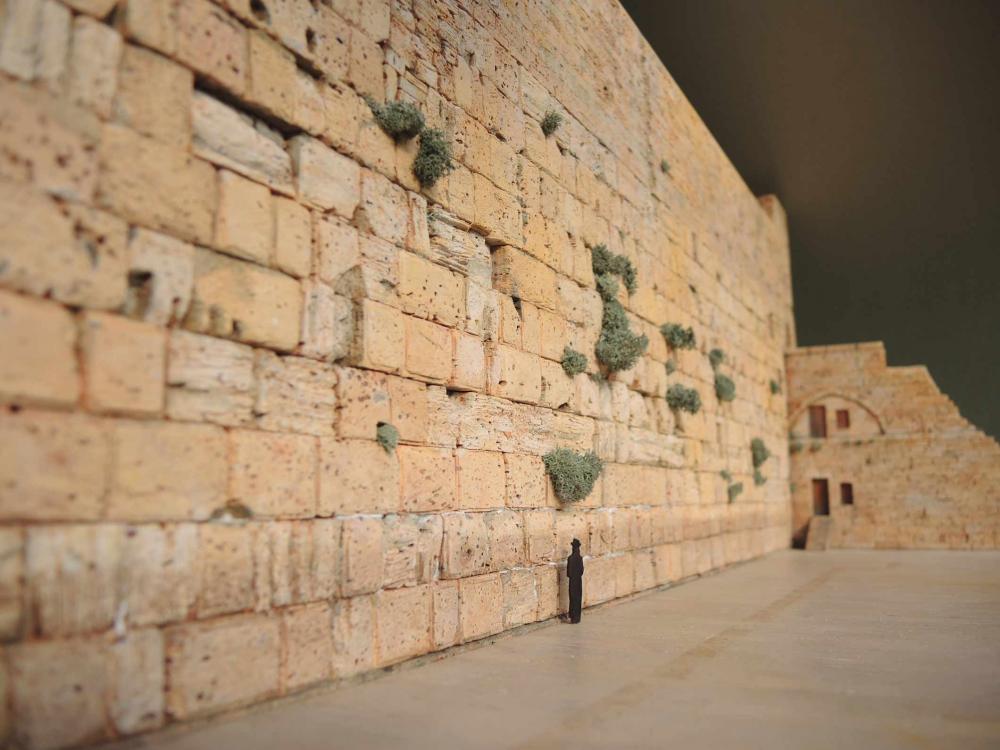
pixel 576 542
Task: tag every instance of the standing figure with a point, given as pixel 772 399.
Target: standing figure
pixel 574 572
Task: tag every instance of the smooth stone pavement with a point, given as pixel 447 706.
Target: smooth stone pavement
pixel 837 649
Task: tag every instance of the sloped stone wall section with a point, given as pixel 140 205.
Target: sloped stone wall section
pixel 219 277
pixel 920 475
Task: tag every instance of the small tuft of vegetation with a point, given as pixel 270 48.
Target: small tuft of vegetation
pixel 758 452
pixel 618 348
pixel 725 388
pixel 573 362
pixel 682 398
pixel 795 447
pixel 400 120
pixel 677 336
pixel 551 122
pixel 604 261
pixel 387 436
pixel 758 478
pixel 815 447
pixel 716 357
pixel 734 490
pixel 607 286
pixel 671 366
pixel 665 166
pixel 726 475
pixel 573 474
pixel 433 159
pixel 775 387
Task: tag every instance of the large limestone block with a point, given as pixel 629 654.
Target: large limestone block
pixel 40 365
pixel 404 623
pixel 481 601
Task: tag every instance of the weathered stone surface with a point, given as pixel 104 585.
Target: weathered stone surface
pixel 161 277
pixel 353 635
pixel 427 478
pixel 160 572
pixel 273 475
pixel 357 476
pixel 244 224
pixel 209 379
pixel 154 96
pixel 292 237
pixel 93 66
pixel 481 602
pixel 363 401
pixel 212 43
pixel 294 394
pixel 40 338
pixel 324 178
pixel 404 623
pixel 307 645
pixel 123 364
pixel 411 549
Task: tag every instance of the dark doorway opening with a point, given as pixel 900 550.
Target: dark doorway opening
pixel 846 493
pixel 817 421
pixel 843 419
pixel 821 497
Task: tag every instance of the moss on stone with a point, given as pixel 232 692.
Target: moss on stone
pixel 433 159
pixel 775 387
pixel 716 357
pixel 551 122
pixel 726 475
pixel 605 261
pixel 607 286
pixel 671 366
pixel 618 348
pixel 573 474
pixel 677 336
pixel 758 478
pixel 725 388
pixel 665 166
pixel 387 436
pixel 795 447
pixel 682 398
pixel 758 452
pixel 573 362
pixel 734 490
pixel 400 120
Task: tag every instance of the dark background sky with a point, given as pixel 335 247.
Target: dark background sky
pixel 877 123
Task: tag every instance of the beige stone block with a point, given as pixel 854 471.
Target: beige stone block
pixel 272 474
pixel 570 525
pixel 225 663
pixel 213 44
pixel 466 546
pixel 447 631
pixel 156 185
pixel 379 337
pixel 515 374
pixel 225 569
pixel 375 274
pixel 124 362
pixel 481 479
pixel 506 532
pixel 601 581
pixel 95 8
pixel 405 623
pixel 469 362
pixel 52 466
pixel 408 409
pixel 337 249
pixel 292 237
pixel 307 646
pixel 150 22
pixel 48 142
pixel 429 291
pixel 294 394
pixel 166 471
pixel 383 209
pixel 301 560
pixel 624 574
pixel 244 223
pixel 324 178
pixel 73 577
pixel 428 350
pixel 411 549
pixel 40 339
pixel 353 635
pixel 160 572
pixel 497 213
pixel 272 77
pixel 558 389
pixel 362 556
pixel 327 322
pixel 526 481
pixel 357 476
pixel 540 535
pixel 363 399
pixel 343 112
pixel 427 478
pixel 93 68
pixel 161 277
pixel 547 580
pixel 365 64
pixel 481 602
pixel 520 597
pixel 154 96
pixel 19 38
pixel 231 139
pixel 233 298
pixel 519 275
pixel 209 379
pixel 11 578
pixel 57 692
pixel 136 677
pixel 70 253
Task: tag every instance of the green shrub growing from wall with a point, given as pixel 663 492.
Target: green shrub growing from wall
pixel 607 286
pixel 551 122
pixel 758 478
pixel 400 120
pixel 618 348
pixel 716 357
pixel 758 452
pixel 725 388
pixel 677 336
pixel 665 166
pixel 682 398
pixel 433 159
pixel 573 362
pixel 671 366
pixel 734 490
pixel 573 474
pixel 604 261
pixel 726 475
pixel 387 436
pixel 775 387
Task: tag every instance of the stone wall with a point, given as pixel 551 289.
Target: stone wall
pixel 218 277
pixel 922 477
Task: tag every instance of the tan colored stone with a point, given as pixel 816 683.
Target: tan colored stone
pixel 379 337
pixel 324 178
pixel 93 68
pixel 209 379
pixel 124 362
pixel 327 322
pixel 40 338
pixel 363 402
pixel 160 572
pixel 520 597
pixel 357 476
pixel 540 535
pixel 428 350
pixel 154 96
pixel 307 645
pixel 427 478
pixel 292 237
pixel 411 549
pixel 408 409
pixel 161 277
pixel 506 530
pixel 383 209
pixel 481 602
pixel 136 676
pixel 273 475
pixel 481 479
pixel 294 394
pixel 466 547
pixel 212 43
pixel 150 22
pixel 446 609
pixel 404 622
pixel 515 375
pixel 353 635
pixel 272 81
pixel 244 224
pixel 362 556
pixel 469 365
pixel 526 481
pixel 430 291
pixel 225 569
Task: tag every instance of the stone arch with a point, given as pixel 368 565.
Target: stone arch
pixel 819 395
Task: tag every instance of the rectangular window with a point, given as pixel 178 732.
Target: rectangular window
pixel 821 497
pixel 846 493
pixel 843 419
pixel 817 421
